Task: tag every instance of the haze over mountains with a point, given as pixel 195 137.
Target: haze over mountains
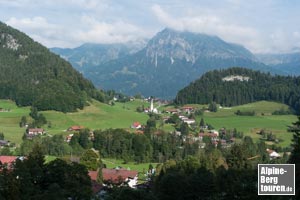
pixel 167 63
pixel 288 63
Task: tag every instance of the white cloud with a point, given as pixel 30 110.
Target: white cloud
pixel 88 29
pixel 114 32
pixel 213 25
pixel 41 30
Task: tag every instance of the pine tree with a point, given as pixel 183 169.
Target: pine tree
pixel 295 155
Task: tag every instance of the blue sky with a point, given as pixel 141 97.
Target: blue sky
pixel 259 25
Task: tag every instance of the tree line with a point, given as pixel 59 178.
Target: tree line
pixel 212 87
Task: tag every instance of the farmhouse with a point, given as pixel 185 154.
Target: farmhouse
pixel 35 131
pixel 9 160
pixel 136 125
pixel 75 128
pixel 273 154
pixel 4 143
pixel 187 109
pixel 69 137
pixel 213 137
pixel 189 121
pixel 116 176
pixel 172 111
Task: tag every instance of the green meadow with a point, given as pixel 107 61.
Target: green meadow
pixel 95 116
pixel 121 115
pixel 9 121
pixel 141 167
pixel 250 125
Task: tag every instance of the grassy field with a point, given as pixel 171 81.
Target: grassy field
pixel 263 119
pixel 250 125
pixel 122 115
pixel 9 121
pixel 95 116
pixel 142 167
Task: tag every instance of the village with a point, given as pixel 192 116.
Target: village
pixel 201 134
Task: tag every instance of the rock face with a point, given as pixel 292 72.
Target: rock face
pixel 169 61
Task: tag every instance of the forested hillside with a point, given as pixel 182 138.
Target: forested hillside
pixel 236 86
pixel 32 75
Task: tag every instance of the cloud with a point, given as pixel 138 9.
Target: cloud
pixel 211 24
pixel 41 30
pixel 114 32
pixel 88 29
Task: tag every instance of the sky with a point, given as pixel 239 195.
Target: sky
pixel 262 26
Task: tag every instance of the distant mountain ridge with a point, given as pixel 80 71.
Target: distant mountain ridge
pixel 169 61
pixel 90 54
pixel 289 63
pixel 33 76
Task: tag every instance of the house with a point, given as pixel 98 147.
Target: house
pixel 4 143
pixel 116 176
pixel 213 137
pixel 120 175
pixel 171 111
pixel 136 125
pixel 96 187
pixel 8 160
pixel 69 137
pixel 214 132
pixel 35 131
pixel 75 128
pixel 273 154
pixel 189 121
pixel 187 109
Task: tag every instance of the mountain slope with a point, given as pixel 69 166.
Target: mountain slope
pixel 170 61
pixel 288 63
pixel 32 75
pixel 236 86
pixel 96 54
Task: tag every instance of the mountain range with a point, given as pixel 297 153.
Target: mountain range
pixel 166 63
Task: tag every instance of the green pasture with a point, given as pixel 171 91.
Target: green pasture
pixel 9 121
pixel 121 115
pixel 95 116
pixel 250 125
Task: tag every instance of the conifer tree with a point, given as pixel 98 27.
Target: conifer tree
pixel 295 155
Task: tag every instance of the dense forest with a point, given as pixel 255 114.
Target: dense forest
pixel 32 75
pixel 236 86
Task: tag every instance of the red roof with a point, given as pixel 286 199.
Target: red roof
pixel 76 128
pixel 9 160
pixel 36 130
pixel 136 124
pixel 96 187
pixel 208 134
pixel 114 175
pixel 93 175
